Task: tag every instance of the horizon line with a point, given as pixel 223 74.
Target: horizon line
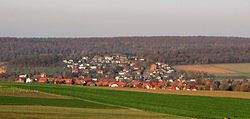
pixel 124 36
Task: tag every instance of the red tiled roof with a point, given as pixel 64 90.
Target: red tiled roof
pixel 42 80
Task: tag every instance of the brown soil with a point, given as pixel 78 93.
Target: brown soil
pixel 33 94
pixel 219 69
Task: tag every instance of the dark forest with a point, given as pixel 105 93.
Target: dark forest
pixel 168 49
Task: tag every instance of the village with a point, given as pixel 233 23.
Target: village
pixel 126 71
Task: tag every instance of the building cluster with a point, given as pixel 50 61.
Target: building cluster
pixel 119 68
pixel 126 71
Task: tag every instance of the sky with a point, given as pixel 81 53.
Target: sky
pixel 111 18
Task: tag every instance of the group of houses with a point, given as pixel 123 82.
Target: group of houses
pixel 116 71
pixel 118 67
pixel 129 71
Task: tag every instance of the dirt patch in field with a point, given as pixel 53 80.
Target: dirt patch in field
pixel 13 91
pixel 245 95
pixel 237 69
pixel 35 95
pixel 205 68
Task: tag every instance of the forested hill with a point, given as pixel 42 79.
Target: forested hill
pixel 173 50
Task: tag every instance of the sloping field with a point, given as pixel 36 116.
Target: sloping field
pixel 39 69
pixel 17 92
pixel 180 105
pixel 22 105
pixel 230 70
pixel 229 94
pixel 48 112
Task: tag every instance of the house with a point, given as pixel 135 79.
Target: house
pixel 82 67
pixel 43 75
pixel 28 80
pixel 90 83
pixel 86 71
pixel 153 67
pixel 2 71
pixel 146 85
pixel 108 58
pixel 75 70
pixel 65 61
pixel 113 85
pixel 100 71
pixel 99 83
pixel 21 80
pixel 135 84
pixel 42 80
pixel 121 84
pixel 105 83
pixel 94 79
pixel 142 59
pixel 121 73
pixel 68 81
pixel 93 67
pixel 79 82
pixel 23 76
pixel 58 81
pixel 85 58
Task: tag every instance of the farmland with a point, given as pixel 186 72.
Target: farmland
pixel 180 105
pixel 49 112
pixel 49 70
pixel 241 70
pixel 229 94
pixel 26 103
pixel 17 92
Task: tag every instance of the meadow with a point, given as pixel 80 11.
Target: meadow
pixel 48 70
pixel 27 103
pixel 51 112
pixel 179 105
pixel 234 71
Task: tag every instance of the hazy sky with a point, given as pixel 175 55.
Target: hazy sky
pixel 86 18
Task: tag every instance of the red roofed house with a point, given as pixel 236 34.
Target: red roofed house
pixel 42 80
pixel 135 84
pixel 20 80
pixel 68 81
pixel 2 71
pixel 75 70
pixel 99 83
pixel 58 81
pixel 79 82
pixel 121 84
pixel 153 67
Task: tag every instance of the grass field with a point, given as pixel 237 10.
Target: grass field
pixel 229 94
pixel 49 70
pixel 180 105
pixel 54 106
pixel 48 112
pixel 17 92
pixel 221 70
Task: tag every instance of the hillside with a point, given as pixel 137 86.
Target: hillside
pixel 173 50
pixel 99 98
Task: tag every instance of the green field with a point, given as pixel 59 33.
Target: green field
pixel 234 71
pixel 64 107
pixel 48 112
pixel 185 106
pixel 49 70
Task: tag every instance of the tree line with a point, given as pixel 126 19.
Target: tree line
pixel 168 49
